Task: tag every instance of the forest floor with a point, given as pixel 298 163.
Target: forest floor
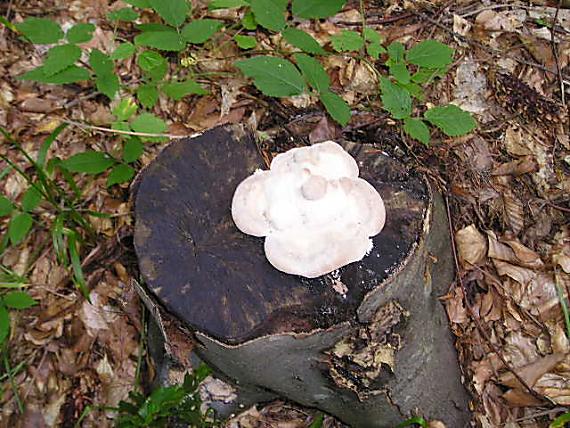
pixel 507 185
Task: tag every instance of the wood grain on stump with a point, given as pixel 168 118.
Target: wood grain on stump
pixel 371 357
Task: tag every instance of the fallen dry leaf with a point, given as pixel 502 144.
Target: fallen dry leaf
pixel 471 245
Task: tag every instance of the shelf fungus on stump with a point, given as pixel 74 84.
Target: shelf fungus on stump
pixel 314 211
pixel 372 355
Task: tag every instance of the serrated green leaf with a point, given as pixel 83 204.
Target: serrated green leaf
pixel 451 120
pixel 71 74
pixel 245 42
pixel 178 90
pixel 200 30
pixel 417 129
pixel 270 14
pixel 396 51
pixel 126 14
pixel 101 63
pixel 124 109
pixel 174 12
pixel 108 84
pixel 123 51
pixel 248 22
pixel 19 300
pixel 4 323
pixel 414 89
pixel 143 4
pixel 372 36
pixel 347 41
pixel 133 150
pixel 395 99
pixel 59 58
pixel 19 227
pixel 226 4
pixel 426 75
pixel 336 107
pixel 375 50
pixel 153 64
pixel 400 72
pixel 374 41
pixel 121 126
pixel 31 199
pixel 149 124
pixel 120 174
pixel 41 31
pixel 273 76
pixel 309 9
pixel 88 162
pixel 147 94
pixel 154 26
pixel 304 41
pixel 313 71
pixel 430 54
pixel 80 33
pixel 163 40
pixel 6 206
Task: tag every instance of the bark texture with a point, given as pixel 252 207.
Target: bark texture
pixel 372 357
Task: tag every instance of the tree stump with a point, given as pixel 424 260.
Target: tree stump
pixel 372 357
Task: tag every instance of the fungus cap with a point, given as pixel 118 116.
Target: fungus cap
pixel 316 213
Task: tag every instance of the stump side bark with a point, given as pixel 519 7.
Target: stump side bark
pixel 373 358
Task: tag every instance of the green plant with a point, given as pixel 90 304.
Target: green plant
pixel 12 297
pixel 417 420
pixel 180 403
pixel 47 198
pixel 561 421
pixel 274 75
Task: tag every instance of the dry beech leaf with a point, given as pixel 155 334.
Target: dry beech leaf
pixel 484 369
pixel 519 398
pixel 563 261
pixel 498 250
pixel 461 25
pixel 559 341
pixel 514 212
pixel 515 142
pixel 519 274
pixel 471 245
pixel 556 387
pixel 517 167
pixel 531 372
pixel 455 308
pixel 524 255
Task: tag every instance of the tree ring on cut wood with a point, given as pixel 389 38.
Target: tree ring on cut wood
pixel 353 342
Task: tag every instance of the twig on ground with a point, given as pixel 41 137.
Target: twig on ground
pixel 116 131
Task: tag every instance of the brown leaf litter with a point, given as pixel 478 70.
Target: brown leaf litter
pixel 508 186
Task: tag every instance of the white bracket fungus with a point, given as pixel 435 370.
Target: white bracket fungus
pixel 316 214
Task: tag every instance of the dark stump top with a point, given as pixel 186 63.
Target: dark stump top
pixel 215 278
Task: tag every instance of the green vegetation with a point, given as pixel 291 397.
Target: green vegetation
pixel 167 405
pixel 276 75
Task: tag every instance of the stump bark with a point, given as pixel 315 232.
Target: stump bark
pixel 372 357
